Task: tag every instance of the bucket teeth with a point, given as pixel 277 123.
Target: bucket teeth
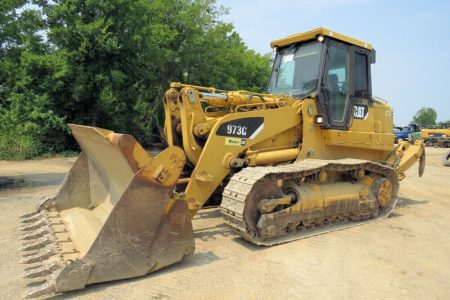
pixel 43 289
pixel 36 234
pixel 29 215
pixel 43 254
pixel 35 272
pixel 40 271
pixel 41 242
pixel 33 217
pixel 33 226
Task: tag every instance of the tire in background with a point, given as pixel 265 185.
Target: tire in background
pixel 446 159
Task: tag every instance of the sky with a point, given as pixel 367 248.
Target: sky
pixel 411 38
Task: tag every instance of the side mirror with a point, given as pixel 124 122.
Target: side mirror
pixel 271 60
pixel 273 55
pixel 372 56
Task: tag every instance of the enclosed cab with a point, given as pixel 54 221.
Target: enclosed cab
pixel 335 70
pixel 330 66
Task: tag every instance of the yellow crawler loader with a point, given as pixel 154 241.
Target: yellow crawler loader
pixel 314 154
pixel 437 137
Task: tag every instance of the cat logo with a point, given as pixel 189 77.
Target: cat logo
pixel 360 111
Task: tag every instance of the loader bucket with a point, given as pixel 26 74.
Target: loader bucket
pixel 113 217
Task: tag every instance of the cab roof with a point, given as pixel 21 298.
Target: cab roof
pixel 312 34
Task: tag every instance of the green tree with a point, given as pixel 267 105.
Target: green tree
pixel 10 45
pixel 122 55
pixel 425 116
pixel 28 126
pixel 107 64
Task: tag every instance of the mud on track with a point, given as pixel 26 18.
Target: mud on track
pixel 406 256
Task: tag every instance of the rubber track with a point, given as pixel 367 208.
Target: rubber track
pixel 241 183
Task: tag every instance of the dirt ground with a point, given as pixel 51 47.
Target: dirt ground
pixel 406 256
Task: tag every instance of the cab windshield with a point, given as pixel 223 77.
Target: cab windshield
pixel 296 70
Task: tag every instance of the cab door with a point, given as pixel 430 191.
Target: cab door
pixel 336 83
pixel 347 84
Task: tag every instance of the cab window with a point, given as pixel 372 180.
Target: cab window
pixel 361 78
pixel 336 81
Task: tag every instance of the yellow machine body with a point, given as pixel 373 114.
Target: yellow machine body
pixel 431 132
pixel 296 137
pixel 279 163
pixel 436 137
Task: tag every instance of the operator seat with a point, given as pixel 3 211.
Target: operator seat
pixel 337 98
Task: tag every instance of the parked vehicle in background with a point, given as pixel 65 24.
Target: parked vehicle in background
pixel 405 132
pixel 437 136
pixel 414 136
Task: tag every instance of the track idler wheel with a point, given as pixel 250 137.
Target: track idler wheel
pixel 385 192
pixel 252 214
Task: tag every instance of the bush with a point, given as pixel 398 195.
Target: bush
pixel 29 129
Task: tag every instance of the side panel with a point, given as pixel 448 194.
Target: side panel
pixel 369 137
pixel 214 163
